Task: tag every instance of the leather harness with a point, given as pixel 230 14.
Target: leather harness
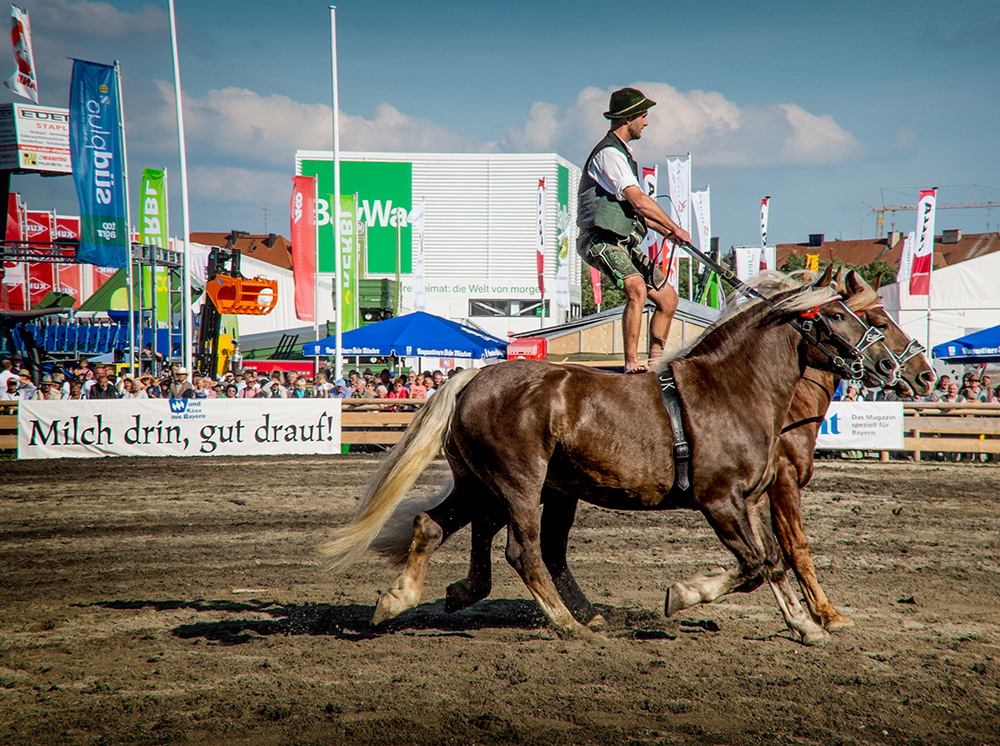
pixel 682 449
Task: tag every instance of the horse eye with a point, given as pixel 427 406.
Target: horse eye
pixel 835 316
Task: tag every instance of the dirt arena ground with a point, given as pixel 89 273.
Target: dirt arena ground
pixel 163 601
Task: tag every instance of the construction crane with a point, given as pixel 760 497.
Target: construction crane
pixel 881 211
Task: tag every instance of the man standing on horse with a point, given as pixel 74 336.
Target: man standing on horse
pixel 615 214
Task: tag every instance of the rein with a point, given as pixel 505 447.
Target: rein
pixel 806 322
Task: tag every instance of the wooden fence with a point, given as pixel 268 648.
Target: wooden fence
pixel 929 427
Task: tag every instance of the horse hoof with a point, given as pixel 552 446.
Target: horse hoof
pixel 673 602
pixel 388 607
pixel 577 631
pixel 818 637
pixel 459 596
pixel 838 621
pixel 597 624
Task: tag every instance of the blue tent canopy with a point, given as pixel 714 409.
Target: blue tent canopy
pixel 414 335
pixel 979 347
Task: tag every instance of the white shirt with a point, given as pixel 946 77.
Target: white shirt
pixel 610 169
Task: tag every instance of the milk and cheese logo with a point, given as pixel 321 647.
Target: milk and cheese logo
pixel 178 406
pixel 187 409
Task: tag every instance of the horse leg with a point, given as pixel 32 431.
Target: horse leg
pixel 430 529
pixel 524 554
pixel 728 516
pixel 558 514
pixel 776 573
pixel 479 582
pixel 786 515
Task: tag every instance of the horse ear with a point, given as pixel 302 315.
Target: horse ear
pixel 855 283
pixel 826 277
pixel 877 283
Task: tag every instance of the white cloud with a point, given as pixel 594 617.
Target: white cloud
pixel 715 130
pixel 97 19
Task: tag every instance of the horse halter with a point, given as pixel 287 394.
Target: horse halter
pixel 911 350
pixel 855 369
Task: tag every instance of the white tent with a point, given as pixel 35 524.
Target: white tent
pixel 964 299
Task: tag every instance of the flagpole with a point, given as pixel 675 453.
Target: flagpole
pixel 335 198
pixel 130 275
pixel 186 285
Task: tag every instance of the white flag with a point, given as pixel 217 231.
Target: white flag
pixel 679 188
pixel 23 81
pixel 763 222
pixel 703 219
pixel 747 261
pixel 416 219
pixel 906 259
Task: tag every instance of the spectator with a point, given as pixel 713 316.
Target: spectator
pixel 322 386
pixel 398 390
pixel 438 377
pixel 852 393
pixel 6 373
pixel 180 387
pixel 76 391
pixel 47 390
pixel 278 390
pixel 953 395
pixel 12 389
pixel 151 386
pixel 418 390
pixel 134 389
pixel 381 392
pixel 941 389
pixel 231 391
pixel 411 378
pixel 103 388
pixel 995 396
pixel 340 390
pixel 300 391
pixel 251 389
pixel 973 391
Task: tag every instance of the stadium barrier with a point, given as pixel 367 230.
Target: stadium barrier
pixel 929 427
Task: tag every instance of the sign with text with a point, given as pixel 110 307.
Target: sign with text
pixel 177 427
pixel 862 425
pixel 34 139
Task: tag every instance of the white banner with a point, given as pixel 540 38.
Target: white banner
pixel 747 261
pixel 650 176
pixel 679 188
pixel 769 258
pixel 419 275
pixel 862 425
pixel 540 237
pixel 906 258
pixel 701 208
pixel 763 222
pixel 23 81
pixel 177 427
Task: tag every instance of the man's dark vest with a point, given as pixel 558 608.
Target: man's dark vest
pixel 598 208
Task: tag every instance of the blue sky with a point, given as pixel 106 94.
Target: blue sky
pixel 820 106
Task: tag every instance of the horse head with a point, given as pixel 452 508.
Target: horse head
pixel 915 376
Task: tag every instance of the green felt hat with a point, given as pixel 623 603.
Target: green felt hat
pixel 627 102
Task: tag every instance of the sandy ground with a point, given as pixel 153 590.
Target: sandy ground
pixel 163 601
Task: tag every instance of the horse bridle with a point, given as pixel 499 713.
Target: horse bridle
pixel 806 322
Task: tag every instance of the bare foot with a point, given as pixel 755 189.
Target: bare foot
pixel 635 368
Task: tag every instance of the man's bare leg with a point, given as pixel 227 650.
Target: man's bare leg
pixel 659 325
pixel 635 295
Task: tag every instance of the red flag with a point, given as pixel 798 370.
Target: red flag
pixel 923 248
pixel 303 215
pixel 595 283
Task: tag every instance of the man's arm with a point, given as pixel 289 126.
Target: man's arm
pixel 654 215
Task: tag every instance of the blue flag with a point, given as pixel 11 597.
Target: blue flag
pixel 98 164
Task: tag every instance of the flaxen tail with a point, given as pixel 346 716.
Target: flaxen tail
pixel 398 472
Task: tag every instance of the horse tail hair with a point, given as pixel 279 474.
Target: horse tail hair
pixel 397 473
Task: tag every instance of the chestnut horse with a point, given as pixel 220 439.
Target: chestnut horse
pixel 522 433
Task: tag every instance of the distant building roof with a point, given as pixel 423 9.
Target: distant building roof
pixel 270 248
pixel 950 248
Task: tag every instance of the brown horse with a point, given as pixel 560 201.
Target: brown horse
pixel 523 433
pixel 798 441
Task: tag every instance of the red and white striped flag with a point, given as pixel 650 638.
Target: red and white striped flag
pixel 23 81
pixel 595 284
pixel 923 247
pixel 303 216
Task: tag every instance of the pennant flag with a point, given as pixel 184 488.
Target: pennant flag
pixel 22 82
pixel 923 247
pixel 679 188
pixel 703 218
pixel 649 180
pixel 98 159
pixel 303 215
pixel 153 208
pixel 540 237
pixel 416 219
pixel 906 259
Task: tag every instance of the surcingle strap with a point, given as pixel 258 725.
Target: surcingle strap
pixel 682 450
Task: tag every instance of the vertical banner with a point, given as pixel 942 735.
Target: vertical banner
pixel 540 237
pixel 812 262
pixel 39 228
pixel 69 277
pixel 98 164
pixel 347 263
pixel 303 216
pixel 650 175
pixel 153 208
pixel 701 208
pixel 764 203
pixel 906 259
pixel 23 81
pixel 679 187
pixel 562 238
pixel 747 261
pixel 923 247
pixel 417 215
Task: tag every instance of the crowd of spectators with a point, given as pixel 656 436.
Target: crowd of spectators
pixel 974 388
pixel 95 381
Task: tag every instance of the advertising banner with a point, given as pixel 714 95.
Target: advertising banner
pixel 562 238
pixel 764 203
pixel 540 236
pixel 34 138
pixel 747 261
pixel 862 425
pixel 177 427
pixel 23 81
pixel 679 188
pixel 419 268
pixel 923 247
pixel 348 265
pixel 98 164
pixel 153 208
pixel 385 199
pixel 650 175
pixel 303 218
